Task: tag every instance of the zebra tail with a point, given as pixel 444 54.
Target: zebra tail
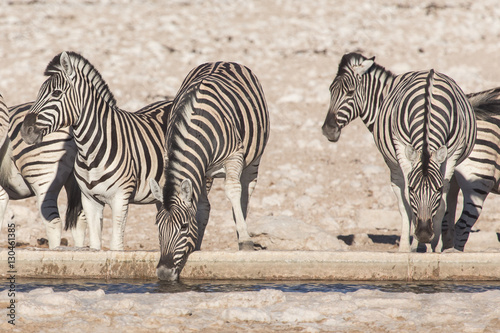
pixel 485 103
pixel 75 207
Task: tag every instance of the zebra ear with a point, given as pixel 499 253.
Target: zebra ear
pixel 156 189
pixel 441 154
pixel 364 66
pixel 186 191
pixel 67 66
pixel 411 153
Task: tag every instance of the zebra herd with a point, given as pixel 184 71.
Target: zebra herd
pixel 217 126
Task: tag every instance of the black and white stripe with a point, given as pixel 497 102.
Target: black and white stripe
pixel 4 120
pixel 422 124
pixel 118 151
pixel 219 127
pixel 41 170
pixel 479 174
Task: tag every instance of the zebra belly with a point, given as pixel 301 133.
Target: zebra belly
pixel 107 191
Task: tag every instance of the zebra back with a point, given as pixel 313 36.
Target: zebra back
pixel 427 110
pixel 219 108
pixel 486 104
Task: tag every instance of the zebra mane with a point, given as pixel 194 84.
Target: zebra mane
pixel 353 59
pixel 176 133
pixel 485 103
pixel 426 156
pixel 86 70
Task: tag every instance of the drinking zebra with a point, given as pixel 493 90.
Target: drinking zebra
pixel 118 151
pixel 422 124
pixel 219 127
pixel 479 174
pixel 41 170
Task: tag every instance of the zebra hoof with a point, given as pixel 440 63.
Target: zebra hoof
pixel 246 246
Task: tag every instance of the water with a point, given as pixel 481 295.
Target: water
pixel 155 286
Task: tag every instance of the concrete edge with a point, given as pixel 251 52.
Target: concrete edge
pixel 261 265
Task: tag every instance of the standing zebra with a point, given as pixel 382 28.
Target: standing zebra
pixel 422 124
pixel 218 128
pixel 479 174
pixel 118 151
pixel 41 170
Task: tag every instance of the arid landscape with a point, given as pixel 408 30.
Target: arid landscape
pixel 311 194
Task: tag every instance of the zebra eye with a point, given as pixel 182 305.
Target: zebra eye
pixel 57 93
pixel 350 93
pixel 184 227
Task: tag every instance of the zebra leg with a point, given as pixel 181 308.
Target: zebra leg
pixel 93 214
pixel 473 205
pixel 79 231
pixel 203 211
pixel 438 242
pixel 398 186
pixel 248 183
pixel 233 167
pixel 47 205
pixel 119 209
pixel 448 225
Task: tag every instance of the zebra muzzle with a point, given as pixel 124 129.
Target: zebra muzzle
pixel 424 231
pixel 167 274
pixel 331 133
pixel 30 133
pixel 166 269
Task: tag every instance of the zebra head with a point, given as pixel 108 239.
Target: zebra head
pixel 346 94
pixel 425 189
pixel 177 229
pixel 55 95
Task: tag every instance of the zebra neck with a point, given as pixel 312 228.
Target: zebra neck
pixel 376 85
pixel 187 158
pixel 97 120
pixel 172 187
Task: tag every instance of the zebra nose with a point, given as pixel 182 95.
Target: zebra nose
pixel 167 274
pixel 29 132
pixel 424 231
pixel 166 270
pixel 332 133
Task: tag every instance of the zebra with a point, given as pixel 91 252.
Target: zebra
pixel 118 151
pixel 479 174
pixel 422 123
pixel 218 128
pixel 40 170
